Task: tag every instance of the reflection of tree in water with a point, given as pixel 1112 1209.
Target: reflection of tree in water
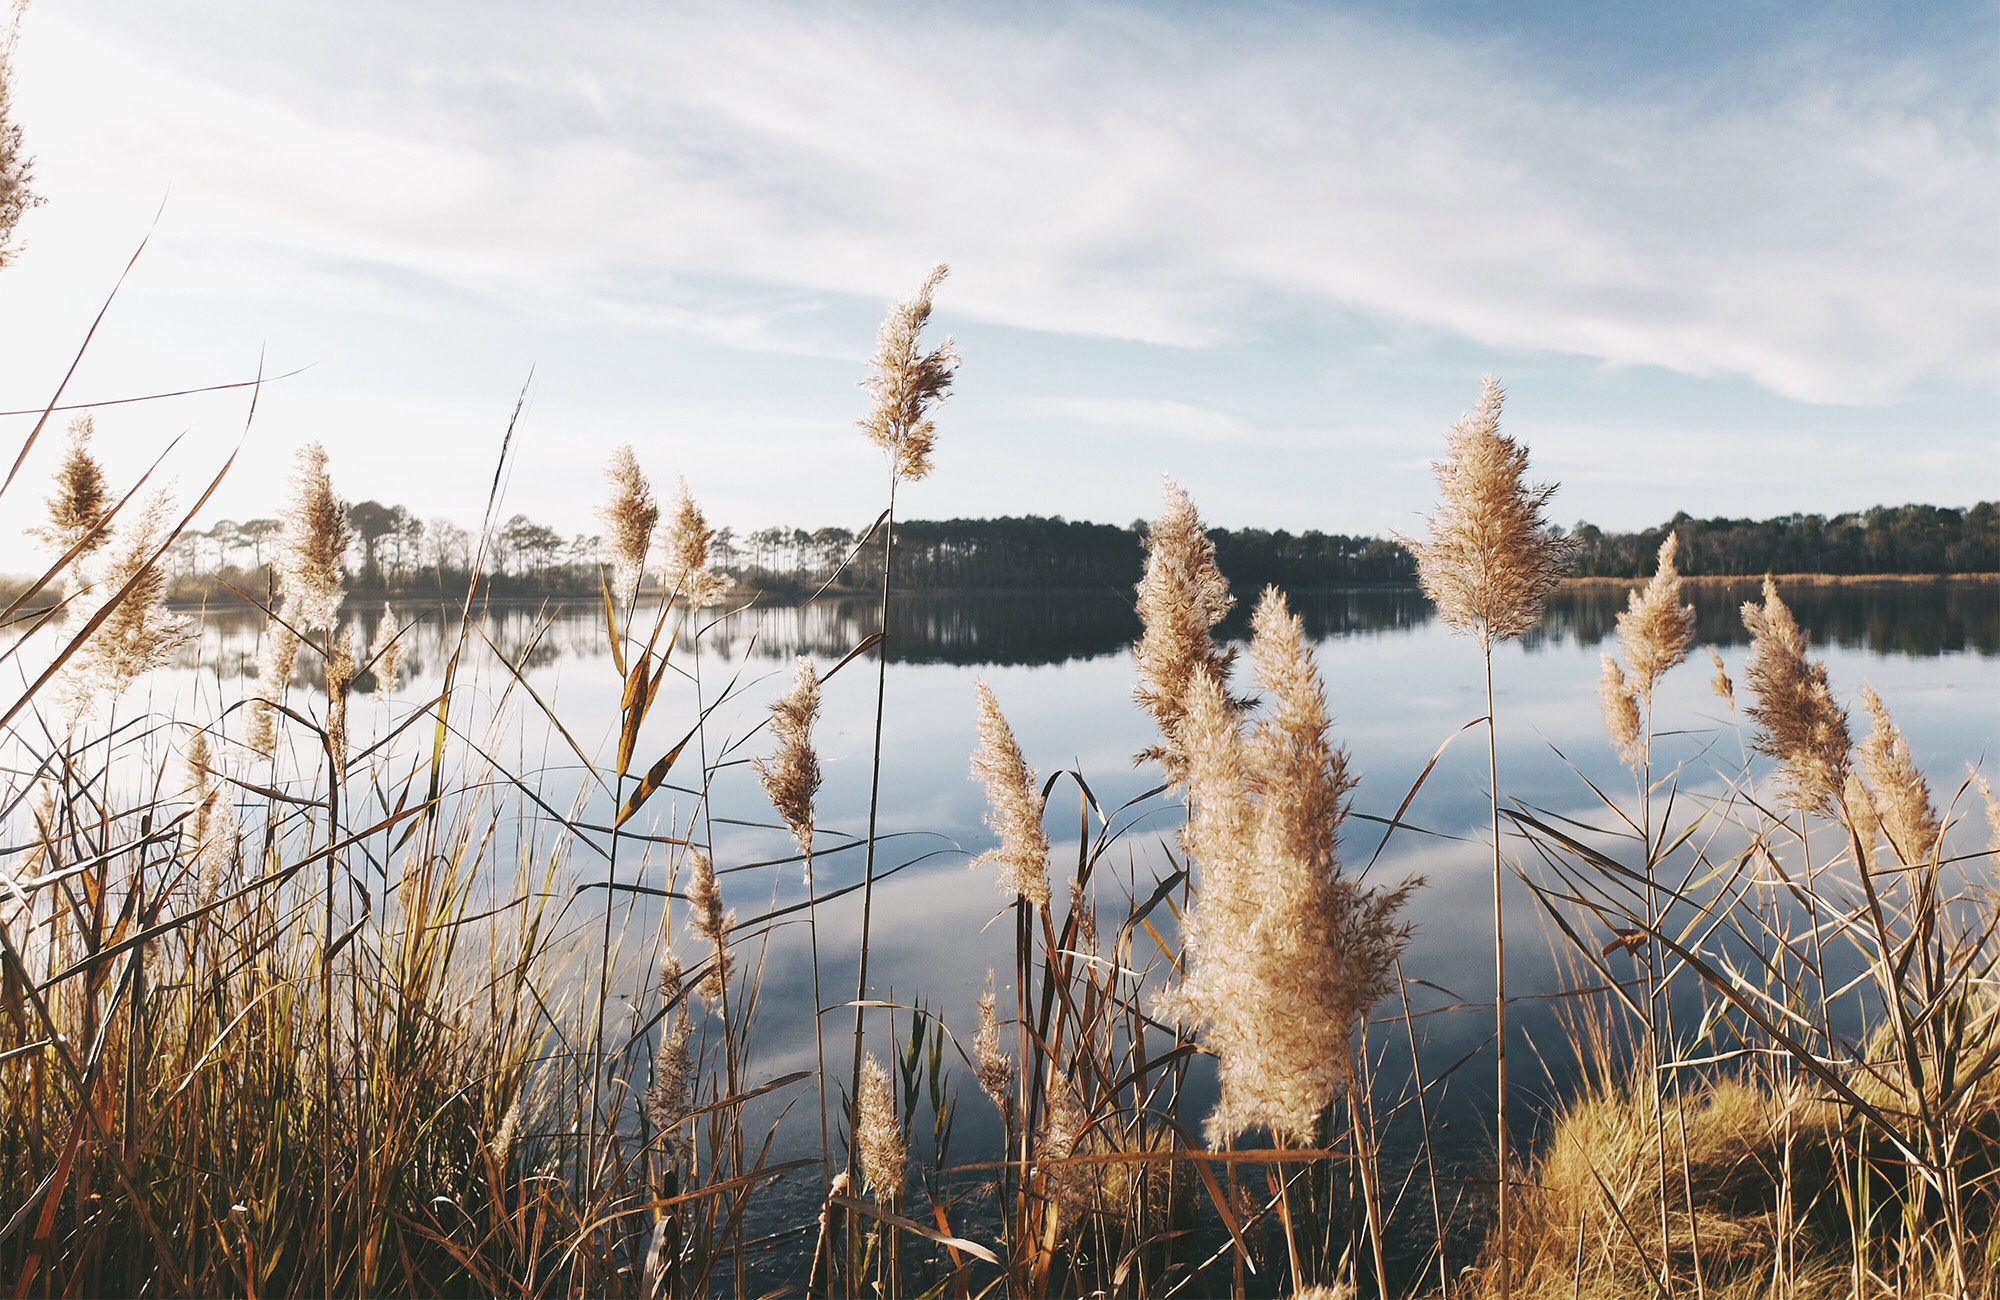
pixel 1057 626
pixel 1911 618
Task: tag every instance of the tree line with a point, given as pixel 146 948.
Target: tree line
pixel 397 553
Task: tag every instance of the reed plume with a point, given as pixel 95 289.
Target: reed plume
pixel 630 518
pixel 1725 690
pixel 713 924
pixel 1798 724
pixel 1621 713
pixel 1493 557
pixel 339 680
pixel 687 541
pixel 791 777
pixel 1016 810
pixel 1655 629
pixel 1284 954
pixel 1489 566
pixel 213 825
pixel 385 652
pixel 312 541
pixel 276 657
pixel 1068 1186
pixel 138 633
pixel 993 1068
pixel 1857 810
pixel 1902 796
pixel 17 170
pixel 1992 812
pixel 904 383
pixel 878 1137
pixel 671 1094
pixel 82 496
pixel 1181 597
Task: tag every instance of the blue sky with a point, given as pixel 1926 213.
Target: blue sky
pixel 1729 258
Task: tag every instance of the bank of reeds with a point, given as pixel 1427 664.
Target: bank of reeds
pixel 323 992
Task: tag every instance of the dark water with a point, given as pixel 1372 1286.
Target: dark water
pixel 1398 683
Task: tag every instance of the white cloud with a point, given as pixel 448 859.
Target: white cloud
pixel 1100 172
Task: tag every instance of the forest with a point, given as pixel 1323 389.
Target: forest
pixel 395 552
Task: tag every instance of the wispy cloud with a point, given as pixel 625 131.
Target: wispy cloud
pixel 1090 171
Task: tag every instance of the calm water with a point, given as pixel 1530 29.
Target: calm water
pixel 1398 684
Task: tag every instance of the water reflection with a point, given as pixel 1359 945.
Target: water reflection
pixel 1038 628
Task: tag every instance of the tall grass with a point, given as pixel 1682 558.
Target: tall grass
pixel 336 989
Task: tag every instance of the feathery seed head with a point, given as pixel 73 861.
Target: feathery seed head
pixel 82 496
pixel 1656 629
pixel 791 777
pixel 688 536
pixel 312 542
pixel 1063 1127
pixel 139 634
pixel 905 382
pixel 1493 557
pixel 993 1068
pixel 1181 597
pixel 1902 797
pixel 1857 809
pixel 630 518
pixel 671 1095
pixel 339 680
pixel 1992 811
pixel 1724 689
pixel 1621 713
pixel 386 652
pixel 713 924
pixel 878 1138
pixel 276 657
pixel 1283 952
pixel 1797 721
pixel 1016 808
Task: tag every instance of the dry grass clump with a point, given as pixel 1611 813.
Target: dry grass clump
pixel 1585 1224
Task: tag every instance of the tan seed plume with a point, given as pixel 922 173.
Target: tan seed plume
pixel 905 383
pixel 1493 557
pixel 878 1138
pixel 630 518
pixel 1857 809
pixel 386 652
pixel 671 1094
pixel 791 777
pixel 1621 713
pixel 713 924
pixel 1992 812
pixel 1181 597
pixel 1724 689
pixel 1656 630
pixel 340 669
pixel 993 1068
pixel 139 633
pixel 276 657
pixel 1284 954
pixel 1902 797
pixel 81 497
pixel 312 542
pixel 1798 723
pixel 1016 807
pixel 1063 1127
pixel 687 541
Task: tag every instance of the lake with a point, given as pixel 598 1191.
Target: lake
pixel 1398 684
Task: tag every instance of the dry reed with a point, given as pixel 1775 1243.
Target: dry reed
pixel 1016 816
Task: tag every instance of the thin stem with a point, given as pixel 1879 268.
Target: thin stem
pixel 874 804
pixel 1499 987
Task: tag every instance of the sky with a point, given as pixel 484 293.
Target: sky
pixel 1731 258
